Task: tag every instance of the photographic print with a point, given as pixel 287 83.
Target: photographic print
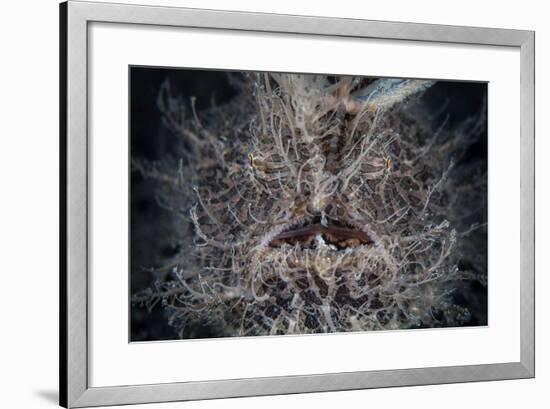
pixel 266 203
pixel 233 199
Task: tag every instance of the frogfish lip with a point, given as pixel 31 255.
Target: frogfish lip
pixel 316 233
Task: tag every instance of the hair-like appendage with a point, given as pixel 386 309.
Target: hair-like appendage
pixel 312 203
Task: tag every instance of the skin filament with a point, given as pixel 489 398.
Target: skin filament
pixel 316 204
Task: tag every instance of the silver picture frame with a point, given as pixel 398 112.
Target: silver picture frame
pixel 75 16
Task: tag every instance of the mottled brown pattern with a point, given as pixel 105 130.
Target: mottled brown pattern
pixel 318 204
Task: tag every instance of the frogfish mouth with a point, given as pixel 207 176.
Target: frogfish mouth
pixel 319 232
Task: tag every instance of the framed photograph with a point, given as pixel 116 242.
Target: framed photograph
pixel 258 204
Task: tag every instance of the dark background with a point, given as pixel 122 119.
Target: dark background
pixel 149 238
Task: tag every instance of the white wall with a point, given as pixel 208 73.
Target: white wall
pixel 29 189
